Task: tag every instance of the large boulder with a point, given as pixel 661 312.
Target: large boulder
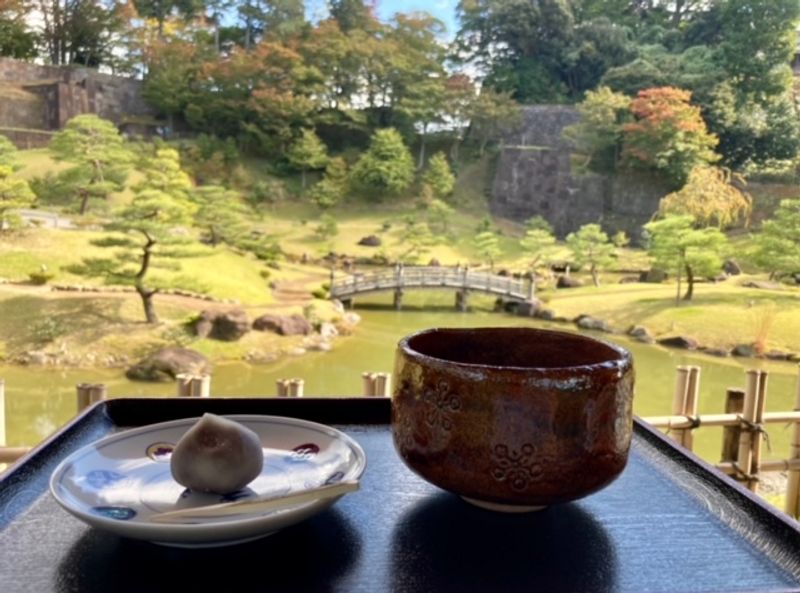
pixel 731 267
pixel 370 241
pixel 222 325
pixel 568 282
pixel 745 350
pixel 684 342
pixel 284 325
pixel 168 363
pixel 654 275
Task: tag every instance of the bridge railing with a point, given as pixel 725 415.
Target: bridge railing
pixel 428 276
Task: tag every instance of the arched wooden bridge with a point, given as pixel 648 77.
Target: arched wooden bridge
pixel 462 280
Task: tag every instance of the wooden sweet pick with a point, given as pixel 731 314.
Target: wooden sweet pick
pixel 257 505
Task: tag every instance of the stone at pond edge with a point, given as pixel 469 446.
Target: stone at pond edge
pixel 545 314
pixel 778 355
pixel 744 350
pixel 589 322
pixel 167 363
pixel 291 325
pixel 654 275
pixel 684 342
pixel 641 334
pixel 720 352
pixel 228 325
pixel 527 308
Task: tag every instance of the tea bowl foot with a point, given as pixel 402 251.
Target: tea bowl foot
pixel 503 508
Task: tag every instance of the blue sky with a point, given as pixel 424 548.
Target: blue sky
pixel 444 10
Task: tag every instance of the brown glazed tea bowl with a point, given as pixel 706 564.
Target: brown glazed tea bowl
pixel 512 419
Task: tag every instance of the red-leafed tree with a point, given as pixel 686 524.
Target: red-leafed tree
pixel 668 134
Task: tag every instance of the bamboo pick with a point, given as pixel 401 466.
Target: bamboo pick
pixel 257 505
pixel 793 489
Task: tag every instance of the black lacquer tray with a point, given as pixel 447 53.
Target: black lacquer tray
pixel 669 524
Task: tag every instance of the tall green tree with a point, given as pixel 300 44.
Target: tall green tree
pixel 17 40
pixel 15 193
pixel 220 214
pixel 387 167
pixel 598 133
pixel 350 14
pixel 172 71
pixel 161 10
pixel 487 245
pixel 307 153
pixel 591 246
pixel 778 243
pixel 677 246
pixel 439 177
pixel 491 114
pixel 97 151
pixel 81 32
pixel 539 242
pixel 330 190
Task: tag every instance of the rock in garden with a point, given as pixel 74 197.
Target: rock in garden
pixel 745 350
pixel 763 285
pixel 589 322
pixel 654 275
pixel 720 352
pixel 370 241
pixel 167 363
pixel 545 314
pixel 641 334
pixel 284 325
pixel 528 308
pixel 328 331
pixel 222 325
pixel 731 267
pixel 568 282
pixel 778 355
pixel 684 342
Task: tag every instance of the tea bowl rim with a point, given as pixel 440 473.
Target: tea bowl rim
pixel 623 360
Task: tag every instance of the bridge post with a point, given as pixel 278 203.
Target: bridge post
pixel 398 298
pixel 532 287
pixel 398 292
pixel 462 300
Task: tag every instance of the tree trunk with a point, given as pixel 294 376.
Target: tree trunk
pixel 303 178
pixel 144 293
pixel 689 283
pixel 84 194
pixel 421 160
pixel 147 303
pixel 595 275
pixel 678 292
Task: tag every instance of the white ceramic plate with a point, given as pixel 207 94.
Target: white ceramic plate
pixel 120 481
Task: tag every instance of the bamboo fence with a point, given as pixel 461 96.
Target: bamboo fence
pixel 743 421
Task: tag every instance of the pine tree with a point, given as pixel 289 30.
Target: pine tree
pixel 307 153
pixel 439 176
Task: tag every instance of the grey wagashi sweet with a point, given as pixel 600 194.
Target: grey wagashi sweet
pixel 217 455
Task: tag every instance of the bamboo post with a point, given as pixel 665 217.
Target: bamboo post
pixel 690 404
pixel 679 399
pixel 90 393
pixel 734 404
pixel 296 387
pixel 2 412
pixel 793 489
pixel 745 454
pixel 383 382
pixel 758 436
pixel 283 387
pixel 194 385
pixel 368 384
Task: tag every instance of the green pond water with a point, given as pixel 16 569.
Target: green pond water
pixel 39 401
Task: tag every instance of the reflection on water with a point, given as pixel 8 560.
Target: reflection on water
pixel 40 400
